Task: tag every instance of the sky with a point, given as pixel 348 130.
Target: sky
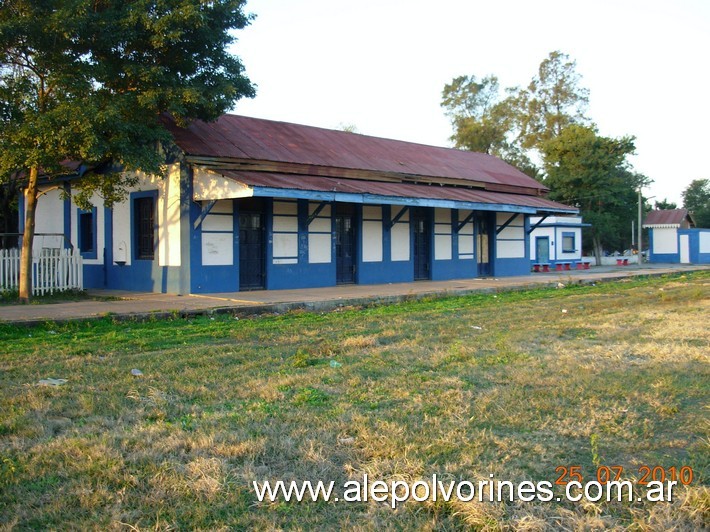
pixel 381 65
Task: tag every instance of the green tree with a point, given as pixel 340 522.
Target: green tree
pixel 482 122
pixel 592 173
pixel 664 204
pixel 514 127
pixel 88 81
pixel 479 118
pixel 546 122
pixel 552 101
pixel 696 198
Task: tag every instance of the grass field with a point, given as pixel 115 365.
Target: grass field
pixel 514 385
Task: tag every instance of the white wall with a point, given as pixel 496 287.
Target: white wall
pixel 122 232
pixel 372 233
pixel 510 242
pixel 49 218
pixel 218 235
pixel 704 244
pixel 611 261
pixel 168 252
pixel 320 234
pixel 555 234
pixel 466 251
pixel 285 231
pixel 208 185
pixel 542 232
pixel 400 235
pixel 554 220
pixel 442 234
pixel 665 240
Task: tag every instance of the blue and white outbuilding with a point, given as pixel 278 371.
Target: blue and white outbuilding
pixel 556 240
pixel 673 238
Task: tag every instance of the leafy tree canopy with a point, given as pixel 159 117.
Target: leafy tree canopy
pixel 552 101
pixel 696 198
pixel 543 130
pixel 514 127
pixel 483 122
pixel 591 172
pixel 664 204
pixel 88 80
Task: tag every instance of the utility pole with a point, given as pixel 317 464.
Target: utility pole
pixel 640 247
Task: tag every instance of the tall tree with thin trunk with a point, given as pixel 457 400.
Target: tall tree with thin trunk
pixel 88 80
pixel 546 121
pixel 482 121
pixel 514 123
pixel 553 100
pixel 592 173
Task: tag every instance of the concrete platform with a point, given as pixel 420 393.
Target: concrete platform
pixel 141 305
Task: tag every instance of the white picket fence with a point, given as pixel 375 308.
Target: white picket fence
pixel 53 270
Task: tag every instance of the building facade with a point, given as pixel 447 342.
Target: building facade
pixel 556 239
pixel 673 238
pixel 254 204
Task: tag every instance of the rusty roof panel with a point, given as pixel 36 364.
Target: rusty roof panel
pixel 398 190
pixel 233 136
pixel 666 217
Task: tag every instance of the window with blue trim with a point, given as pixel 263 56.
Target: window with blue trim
pixel 86 225
pixel 568 243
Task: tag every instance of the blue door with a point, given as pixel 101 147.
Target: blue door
pixel 252 249
pixel 345 243
pixel 422 243
pixel 483 245
pixel 542 249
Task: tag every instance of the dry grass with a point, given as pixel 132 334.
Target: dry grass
pixel 513 384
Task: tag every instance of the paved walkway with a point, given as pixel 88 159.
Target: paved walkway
pixel 140 305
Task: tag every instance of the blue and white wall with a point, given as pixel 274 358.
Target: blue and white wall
pixel 679 246
pixel 663 245
pixel 166 271
pixel 300 245
pixel 511 245
pixel 558 229
pixel 197 238
pixel 111 263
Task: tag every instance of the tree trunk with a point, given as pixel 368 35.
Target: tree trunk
pixel 597 245
pixel 28 237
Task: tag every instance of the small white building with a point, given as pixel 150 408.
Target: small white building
pixel 556 241
pixel 673 238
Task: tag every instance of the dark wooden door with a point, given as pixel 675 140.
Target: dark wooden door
pixel 252 255
pixel 422 244
pixel 483 245
pixel 345 244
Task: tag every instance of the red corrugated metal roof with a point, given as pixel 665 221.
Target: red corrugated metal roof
pixel 399 190
pixel 241 137
pixel 666 217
